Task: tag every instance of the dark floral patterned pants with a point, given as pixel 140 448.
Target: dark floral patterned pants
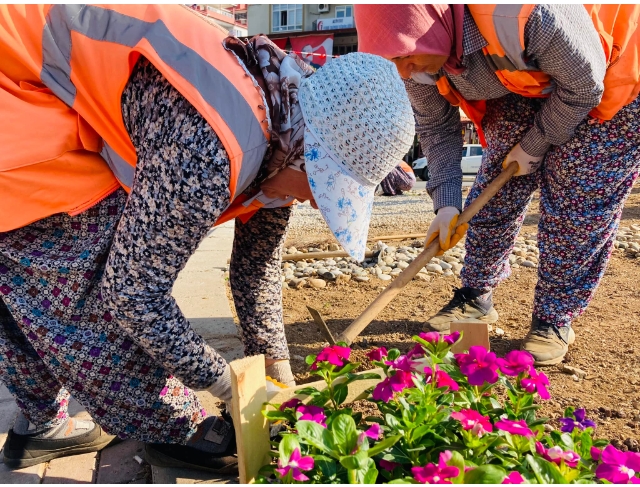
pixel 85 301
pixel 583 186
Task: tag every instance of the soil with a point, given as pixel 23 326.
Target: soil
pixel 607 347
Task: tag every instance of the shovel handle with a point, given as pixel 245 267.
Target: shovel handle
pixel 386 296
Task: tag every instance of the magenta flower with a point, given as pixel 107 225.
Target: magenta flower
pixel 374 431
pixel 515 362
pixel 478 365
pixel 291 403
pixel 296 465
pixel 334 354
pixel 513 478
pixel 618 467
pixel 388 466
pixel 401 363
pixel 312 413
pixel 378 354
pixel 514 427
pixel 436 474
pixel 596 453
pixel 578 421
pixel 555 454
pixel 416 351
pixel 453 338
pixel 431 337
pixel 384 390
pixel 536 382
pixel 442 379
pixel 474 421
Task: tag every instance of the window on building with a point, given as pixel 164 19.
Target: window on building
pixel 345 11
pixel 286 17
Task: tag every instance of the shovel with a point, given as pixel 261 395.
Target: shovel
pixel 386 296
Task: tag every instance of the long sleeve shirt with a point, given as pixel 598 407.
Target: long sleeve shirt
pixel 561 41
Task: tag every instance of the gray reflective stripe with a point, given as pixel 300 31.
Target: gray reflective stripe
pixel 107 25
pixel 121 168
pixel 505 23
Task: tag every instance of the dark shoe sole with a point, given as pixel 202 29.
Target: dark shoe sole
pixel 159 459
pixel 98 444
pixel 491 317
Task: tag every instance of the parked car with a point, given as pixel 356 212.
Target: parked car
pixel 471 160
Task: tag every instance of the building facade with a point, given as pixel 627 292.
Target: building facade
pixel 231 17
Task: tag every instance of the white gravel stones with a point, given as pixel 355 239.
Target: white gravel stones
pixel 435 268
pixel 384 277
pixel 317 283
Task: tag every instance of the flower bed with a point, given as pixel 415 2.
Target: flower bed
pixel 444 418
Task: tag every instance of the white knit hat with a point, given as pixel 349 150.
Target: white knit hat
pixel 359 125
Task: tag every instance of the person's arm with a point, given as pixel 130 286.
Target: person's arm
pixel 563 43
pixel 440 133
pixel 256 284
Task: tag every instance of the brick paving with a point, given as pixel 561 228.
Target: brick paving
pixel 203 300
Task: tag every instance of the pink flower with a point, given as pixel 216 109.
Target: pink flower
pixel 436 474
pixel 474 421
pixel 555 454
pixel 515 362
pixel 384 390
pixel 453 338
pixel 442 379
pixel 378 354
pixel 374 431
pixel 431 337
pixel 478 365
pixel 618 467
pixel 401 363
pixel 312 413
pixel 296 465
pixel 536 382
pixel 596 453
pixel 388 466
pixel 291 403
pixel 334 354
pixel 513 478
pixel 416 351
pixel 515 427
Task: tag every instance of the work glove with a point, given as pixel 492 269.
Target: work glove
pixel 527 164
pixel 444 227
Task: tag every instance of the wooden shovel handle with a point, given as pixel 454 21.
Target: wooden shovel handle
pixel 386 296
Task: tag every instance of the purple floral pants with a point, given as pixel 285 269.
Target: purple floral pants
pixel 583 186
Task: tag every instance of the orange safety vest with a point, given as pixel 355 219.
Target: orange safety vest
pixel 63 69
pixel 503 25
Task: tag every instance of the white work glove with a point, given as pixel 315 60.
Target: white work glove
pixel 444 227
pixel 527 164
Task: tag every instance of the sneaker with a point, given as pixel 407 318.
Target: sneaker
pixel 72 437
pixel 548 343
pixel 465 304
pixel 212 448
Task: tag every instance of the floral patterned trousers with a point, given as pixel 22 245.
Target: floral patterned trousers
pixel 583 186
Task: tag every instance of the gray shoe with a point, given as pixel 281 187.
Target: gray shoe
pixel 465 305
pixel 548 343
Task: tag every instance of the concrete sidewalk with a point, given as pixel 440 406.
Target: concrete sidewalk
pixel 200 292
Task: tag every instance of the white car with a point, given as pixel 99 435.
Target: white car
pixel 471 160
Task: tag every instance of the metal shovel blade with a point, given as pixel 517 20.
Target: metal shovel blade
pixel 322 325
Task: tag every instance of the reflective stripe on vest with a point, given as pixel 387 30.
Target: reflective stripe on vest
pixel 107 25
pixel 122 170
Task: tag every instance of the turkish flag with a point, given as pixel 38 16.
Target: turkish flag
pixel 314 50
pixel 281 43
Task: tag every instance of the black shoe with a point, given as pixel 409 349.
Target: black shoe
pixel 22 451
pixel 212 449
pixel 466 304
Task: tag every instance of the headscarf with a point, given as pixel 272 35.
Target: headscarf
pixel 394 31
pixel 279 74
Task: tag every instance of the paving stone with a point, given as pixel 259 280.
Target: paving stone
pixel 30 475
pixel 117 465
pixel 76 469
pixel 162 475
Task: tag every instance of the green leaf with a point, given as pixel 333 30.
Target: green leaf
pixel 371 475
pixel 485 474
pixel 277 415
pixel 393 354
pixel 309 359
pixel 340 393
pixel 363 376
pixel 457 461
pixel 546 472
pixel 288 444
pixel 405 480
pixel 344 433
pixel 308 391
pixel 315 435
pixel 381 446
pixel 354 462
pixel 326 465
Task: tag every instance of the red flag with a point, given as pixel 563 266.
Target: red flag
pixel 281 42
pixel 313 49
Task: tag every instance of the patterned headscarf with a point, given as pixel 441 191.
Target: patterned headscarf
pixel 279 75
